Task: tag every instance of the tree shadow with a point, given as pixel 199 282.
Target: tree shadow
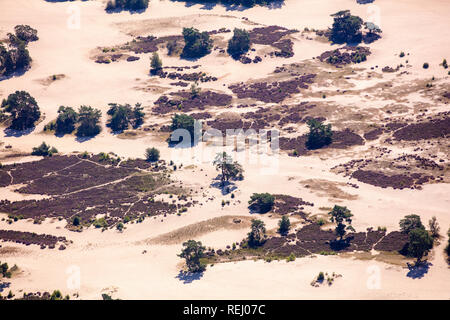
pixel 189 277
pixel 418 270
pixel 18 133
pixel 14 74
pixel 4 285
pixel 337 245
pixel 226 188
pixel 82 139
pixel 209 5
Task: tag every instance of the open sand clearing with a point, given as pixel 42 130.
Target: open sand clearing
pixel 141 261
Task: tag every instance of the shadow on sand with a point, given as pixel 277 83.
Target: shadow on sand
pixel 189 277
pixel 418 270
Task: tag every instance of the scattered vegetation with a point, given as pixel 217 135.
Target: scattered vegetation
pixel 261 202
pixel 44 150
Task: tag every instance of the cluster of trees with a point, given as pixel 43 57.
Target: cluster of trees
pixel 44 150
pixel 197 44
pixel 319 134
pixel 420 240
pixel 346 27
pixel 23 109
pixel 132 5
pixel 122 116
pixel 239 44
pixel 87 119
pixel 245 3
pixel 261 202
pixel 228 168
pixel 16 57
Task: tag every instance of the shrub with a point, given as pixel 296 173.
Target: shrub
pixel 319 134
pixel 152 154
pixel 76 221
pixel 434 227
pixel 239 43
pixel 119 226
pixel 346 28
pixel 23 108
pixel 402 54
pixel 171 47
pixel 26 33
pixel 257 234
pixel 444 63
pixel 291 257
pixel 155 62
pixel 261 202
pixel 88 119
pixel 426 65
pixel 197 44
pixel 66 120
pixel 44 150
pixel 283 225
pixel 320 276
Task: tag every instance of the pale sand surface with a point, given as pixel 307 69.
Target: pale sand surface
pixel 113 262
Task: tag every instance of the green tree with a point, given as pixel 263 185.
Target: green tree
pixel 186 122
pixel 192 252
pixel 155 62
pixel 420 242
pixel 23 108
pixel 66 120
pixel 197 44
pixel 44 150
pixel 319 134
pixel 152 154
pixel 339 215
pixel 346 28
pixel 257 234
pixel 434 227
pixel 283 225
pixel 261 202
pixel 239 43
pixel 228 168
pixel 411 222
pixel 89 119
